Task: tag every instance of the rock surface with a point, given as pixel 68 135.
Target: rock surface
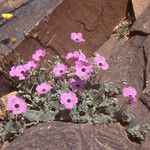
pixel 123 67
pixel 26 14
pixel 140 6
pixel 95 19
pixel 130 62
pixel 3 101
pixel 67 136
pixel 110 47
pixel 143 22
pixel 9 5
pixel 146 144
pixel 25 11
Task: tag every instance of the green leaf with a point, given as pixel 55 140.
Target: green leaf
pixel 33 115
pixel 39 116
pixel 48 116
pixel 135 133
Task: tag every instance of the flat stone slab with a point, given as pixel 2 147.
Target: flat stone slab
pixel 143 22
pixel 140 6
pixel 110 47
pixel 67 136
pixel 26 14
pixel 10 5
pixel 130 63
pixel 95 19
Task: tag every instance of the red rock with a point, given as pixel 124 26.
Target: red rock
pixel 67 136
pixel 95 19
pixel 140 6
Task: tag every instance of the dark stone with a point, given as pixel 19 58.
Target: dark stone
pixel 26 14
pixel 67 136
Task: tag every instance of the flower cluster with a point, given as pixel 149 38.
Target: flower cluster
pixel 81 71
pixel 59 89
pixel 21 71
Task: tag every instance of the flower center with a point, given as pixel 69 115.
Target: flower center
pixel 43 90
pixel 61 71
pixel 68 100
pixel 83 69
pixel 16 105
pixel 77 39
pixel 100 64
pixel 78 85
pixel 40 57
pixel 22 72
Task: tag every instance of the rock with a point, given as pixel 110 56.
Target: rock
pixel 67 136
pixel 145 98
pixel 140 6
pixel 143 23
pixel 123 64
pixel 95 19
pixel 110 47
pixel 146 93
pixel 131 63
pixel 9 5
pixel 27 13
pixel 142 27
pixel 53 31
pixel 16 26
pixel 123 67
pixel 3 101
pixel 146 144
pixel 6 144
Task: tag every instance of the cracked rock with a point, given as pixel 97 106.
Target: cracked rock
pixel 67 136
pixel 95 19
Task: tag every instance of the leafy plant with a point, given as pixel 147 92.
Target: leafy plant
pixel 46 88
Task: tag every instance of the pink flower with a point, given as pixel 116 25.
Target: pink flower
pixel 83 69
pixel 77 84
pixel 39 55
pixel 60 69
pixel 77 37
pixel 132 101
pixel 30 65
pixel 76 56
pixel 16 105
pixel 129 91
pixel 12 72
pixel 101 61
pixel 21 72
pixel 43 88
pixel 18 71
pixel 68 99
